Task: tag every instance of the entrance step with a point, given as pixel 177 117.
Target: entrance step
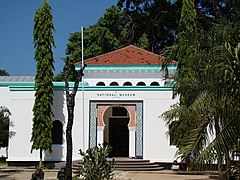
pixel 129 165
pixel 135 165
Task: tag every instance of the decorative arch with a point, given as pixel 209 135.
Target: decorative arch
pixel 154 83
pixel 103 107
pixel 114 84
pixel 100 112
pixel 100 83
pixel 97 109
pixel 141 83
pixel 127 83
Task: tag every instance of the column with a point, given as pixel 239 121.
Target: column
pixel 100 135
pixel 132 134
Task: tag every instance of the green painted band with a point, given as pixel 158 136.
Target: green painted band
pixel 99 88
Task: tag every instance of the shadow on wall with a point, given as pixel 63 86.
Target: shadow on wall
pixel 58 139
pixel 55 156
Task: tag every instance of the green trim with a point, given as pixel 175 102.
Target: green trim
pixel 18 86
pixel 78 67
pixel 60 86
pixel 17 83
pixel 29 86
pixel 127 88
pixel 125 67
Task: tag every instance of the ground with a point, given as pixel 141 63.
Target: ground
pixel 25 174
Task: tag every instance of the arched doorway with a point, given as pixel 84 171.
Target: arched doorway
pixel 97 125
pixel 116 131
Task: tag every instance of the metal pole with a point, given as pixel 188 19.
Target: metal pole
pixel 83 94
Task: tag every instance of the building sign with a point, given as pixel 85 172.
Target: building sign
pixel 116 94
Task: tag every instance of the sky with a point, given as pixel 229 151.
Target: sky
pixel 16 30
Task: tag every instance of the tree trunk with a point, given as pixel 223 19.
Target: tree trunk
pixel 228 165
pixel 70 98
pixel 70 104
pixel 217 130
pixel 40 161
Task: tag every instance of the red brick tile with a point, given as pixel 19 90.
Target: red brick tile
pixel 126 56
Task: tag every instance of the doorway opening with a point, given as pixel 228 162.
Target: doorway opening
pixel 116 132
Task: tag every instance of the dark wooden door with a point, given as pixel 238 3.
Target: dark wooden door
pixel 119 137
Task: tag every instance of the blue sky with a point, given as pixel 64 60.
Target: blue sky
pixel 16 29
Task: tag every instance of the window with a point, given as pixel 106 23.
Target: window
pixel 119 111
pixel 127 84
pixel 141 84
pixel 57 132
pixel 154 83
pixel 100 84
pixel 114 84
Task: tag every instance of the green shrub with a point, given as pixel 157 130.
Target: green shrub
pixel 95 164
pixel 75 178
pixel 235 172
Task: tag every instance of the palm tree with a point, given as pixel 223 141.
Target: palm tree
pixel 205 122
pixel 208 84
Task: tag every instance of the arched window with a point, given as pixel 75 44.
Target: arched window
pixel 114 84
pixel 100 84
pixel 57 132
pixel 127 84
pixel 141 84
pixel 154 83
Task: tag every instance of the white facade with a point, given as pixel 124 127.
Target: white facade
pixel 154 143
pixel 119 105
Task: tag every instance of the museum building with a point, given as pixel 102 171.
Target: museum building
pixel 119 103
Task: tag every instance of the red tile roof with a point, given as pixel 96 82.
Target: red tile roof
pixel 125 56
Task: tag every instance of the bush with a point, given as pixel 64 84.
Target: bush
pixel 95 165
pixel 235 172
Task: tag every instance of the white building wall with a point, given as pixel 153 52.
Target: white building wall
pixel 122 76
pixel 3 152
pixel 108 81
pixel 156 140
pixel 80 126
pixel 5 97
pixel 60 113
pixel 156 145
pixel 5 101
pixel 21 109
pixel 122 73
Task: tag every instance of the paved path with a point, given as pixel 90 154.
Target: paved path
pixel 162 175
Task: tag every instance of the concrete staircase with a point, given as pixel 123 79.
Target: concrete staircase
pixel 136 165
pixel 125 164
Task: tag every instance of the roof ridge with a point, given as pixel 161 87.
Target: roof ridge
pixel 117 50
pixel 142 49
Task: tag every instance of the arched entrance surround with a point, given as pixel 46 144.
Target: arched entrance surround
pixel 121 131
pixel 97 109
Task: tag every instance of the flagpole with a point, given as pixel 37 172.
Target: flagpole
pixel 83 94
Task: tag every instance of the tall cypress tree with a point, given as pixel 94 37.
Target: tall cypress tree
pixel 43 42
pixel 188 17
pixel 187 28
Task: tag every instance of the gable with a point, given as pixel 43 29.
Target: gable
pixel 130 55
